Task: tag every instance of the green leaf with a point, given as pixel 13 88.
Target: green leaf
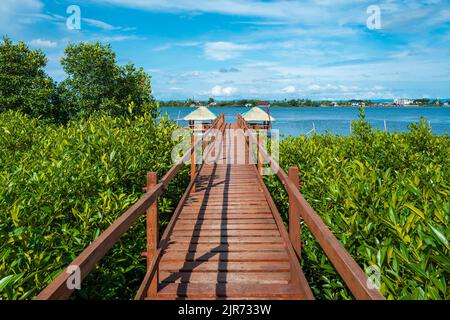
pixel 415 210
pixel 439 235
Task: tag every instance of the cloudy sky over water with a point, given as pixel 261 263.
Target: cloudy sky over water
pixel 227 49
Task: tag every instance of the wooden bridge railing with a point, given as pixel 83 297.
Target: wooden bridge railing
pixel 146 288
pixel 88 259
pixel 352 274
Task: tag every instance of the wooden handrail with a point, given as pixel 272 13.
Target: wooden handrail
pixel 345 265
pixel 88 259
pixel 143 289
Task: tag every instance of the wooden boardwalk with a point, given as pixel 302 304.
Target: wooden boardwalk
pixel 226 238
pixel 226 242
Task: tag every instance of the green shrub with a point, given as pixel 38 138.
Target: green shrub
pixel 61 186
pixel 96 83
pixel 386 197
pixel 24 85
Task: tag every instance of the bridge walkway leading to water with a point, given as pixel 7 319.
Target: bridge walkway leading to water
pixel 226 242
pixel 226 238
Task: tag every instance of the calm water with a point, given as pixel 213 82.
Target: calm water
pixel 297 121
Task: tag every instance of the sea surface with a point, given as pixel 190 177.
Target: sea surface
pixel 297 121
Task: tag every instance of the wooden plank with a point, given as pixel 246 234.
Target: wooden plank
pixel 228 233
pixel 226 212
pixel 229 218
pixel 219 208
pixel 236 247
pixel 227 227
pixel 226 277
pixel 223 239
pixel 214 266
pixel 235 181
pixel 243 194
pixel 170 256
pixel 241 291
pixel 218 205
pixel 225 223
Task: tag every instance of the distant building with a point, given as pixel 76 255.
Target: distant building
pixel 403 102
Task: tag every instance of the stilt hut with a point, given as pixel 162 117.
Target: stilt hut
pixel 201 118
pixel 258 119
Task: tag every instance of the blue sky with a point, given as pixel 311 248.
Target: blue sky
pixel 228 49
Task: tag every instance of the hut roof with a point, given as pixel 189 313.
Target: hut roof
pixel 256 114
pixel 200 114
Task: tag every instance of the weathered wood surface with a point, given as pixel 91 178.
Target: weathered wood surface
pixel 225 243
pixel 352 274
pixel 226 238
pixel 58 289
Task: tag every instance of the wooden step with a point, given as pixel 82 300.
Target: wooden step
pixel 227 211
pixel 224 239
pixel 225 223
pixel 225 290
pixel 228 216
pixel 226 227
pixel 226 233
pixel 231 247
pixel 225 277
pixel 173 256
pixel 214 266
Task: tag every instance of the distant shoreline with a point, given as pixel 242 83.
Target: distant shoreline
pixel 319 106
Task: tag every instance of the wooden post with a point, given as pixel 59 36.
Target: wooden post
pixel 152 234
pixel 294 214
pixel 260 159
pixel 193 160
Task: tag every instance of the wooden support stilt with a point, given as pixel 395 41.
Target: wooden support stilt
pixel 294 214
pixel 260 158
pixel 193 159
pixel 152 233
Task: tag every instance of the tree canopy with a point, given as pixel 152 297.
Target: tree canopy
pixel 94 82
pixel 24 85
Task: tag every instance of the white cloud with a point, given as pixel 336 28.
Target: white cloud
pixel 100 24
pixel 117 38
pixel 41 43
pixel 218 91
pixel 222 51
pixel 289 89
pixel 13 13
pixel 278 9
pixel 177 44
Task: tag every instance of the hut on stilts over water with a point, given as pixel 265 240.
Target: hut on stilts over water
pixel 200 119
pixel 258 119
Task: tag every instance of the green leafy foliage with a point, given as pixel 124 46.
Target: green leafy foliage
pixel 24 85
pixel 96 83
pixel 61 186
pixel 386 197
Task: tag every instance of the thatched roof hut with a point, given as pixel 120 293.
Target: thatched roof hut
pixel 201 114
pixel 257 115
